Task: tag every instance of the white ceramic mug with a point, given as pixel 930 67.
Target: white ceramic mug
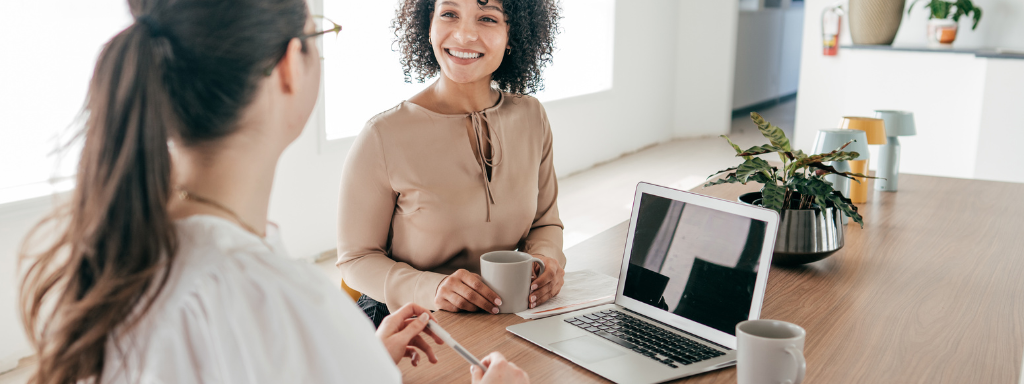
pixel 509 274
pixel 770 352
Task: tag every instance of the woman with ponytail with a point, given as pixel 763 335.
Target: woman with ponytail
pixel 164 268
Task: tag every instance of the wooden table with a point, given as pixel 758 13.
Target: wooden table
pixel 931 290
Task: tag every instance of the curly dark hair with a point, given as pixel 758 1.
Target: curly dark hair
pixel 533 25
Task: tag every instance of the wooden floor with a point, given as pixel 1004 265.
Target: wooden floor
pixel 596 199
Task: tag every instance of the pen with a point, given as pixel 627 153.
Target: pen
pixel 440 332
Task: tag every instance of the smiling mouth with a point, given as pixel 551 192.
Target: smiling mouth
pixel 463 55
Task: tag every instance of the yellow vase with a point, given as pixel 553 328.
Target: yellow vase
pixel 859 191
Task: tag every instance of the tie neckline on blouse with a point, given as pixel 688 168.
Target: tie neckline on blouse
pixel 478 119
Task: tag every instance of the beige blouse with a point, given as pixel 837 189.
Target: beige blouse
pixel 416 204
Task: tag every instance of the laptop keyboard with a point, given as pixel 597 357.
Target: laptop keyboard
pixel 643 338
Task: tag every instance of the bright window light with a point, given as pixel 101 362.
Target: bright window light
pixel 50 51
pixel 362 75
pixel 583 52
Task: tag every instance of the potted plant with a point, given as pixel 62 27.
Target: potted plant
pixel 945 16
pixel 811 227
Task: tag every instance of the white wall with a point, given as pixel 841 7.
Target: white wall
pixel 792 46
pixel 767 58
pixel 637 110
pixel 16 219
pixel 672 78
pixel 1002 128
pixel 704 60
pixel 758 48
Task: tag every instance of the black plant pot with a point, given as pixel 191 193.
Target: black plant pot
pixel 805 235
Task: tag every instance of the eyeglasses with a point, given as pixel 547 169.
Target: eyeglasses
pixel 336 29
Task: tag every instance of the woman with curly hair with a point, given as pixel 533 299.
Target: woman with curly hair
pixel 460 169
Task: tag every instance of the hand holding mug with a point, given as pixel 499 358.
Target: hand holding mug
pixel 465 290
pixel 548 283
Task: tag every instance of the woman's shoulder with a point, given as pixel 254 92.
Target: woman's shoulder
pixel 405 115
pixel 232 304
pixel 525 105
pixel 518 101
pixel 223 267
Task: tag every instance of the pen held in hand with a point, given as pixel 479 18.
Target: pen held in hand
pixel 440 332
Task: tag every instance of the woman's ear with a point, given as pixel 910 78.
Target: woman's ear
pixel 290 68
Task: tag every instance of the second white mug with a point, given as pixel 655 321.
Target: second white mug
pixel 770 352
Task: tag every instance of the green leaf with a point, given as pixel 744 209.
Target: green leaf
pixel 760 150
pixel 844 204
pixel 731 178
pixel 774 134
pixel 752 166
pixel 761 178
pixel 848 175
pixel 721 172
pixel 773 196
pixel 734 146
pixel 835 155
pixel 728 179
pixel 811 187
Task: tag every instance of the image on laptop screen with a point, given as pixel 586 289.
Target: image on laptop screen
pixel 696 262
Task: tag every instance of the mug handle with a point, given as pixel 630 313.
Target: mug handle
pixel 801 364
pixel 536 260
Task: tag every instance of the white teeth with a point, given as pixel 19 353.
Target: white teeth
pixel 464 55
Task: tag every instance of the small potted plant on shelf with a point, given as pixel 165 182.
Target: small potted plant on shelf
pixel 811 227
pixel 945 16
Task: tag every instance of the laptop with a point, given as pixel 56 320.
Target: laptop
pixel 693 267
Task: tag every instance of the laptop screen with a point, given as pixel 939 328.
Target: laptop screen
pixel 695 262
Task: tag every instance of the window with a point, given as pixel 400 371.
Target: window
pixel 48 62
pixel 362 76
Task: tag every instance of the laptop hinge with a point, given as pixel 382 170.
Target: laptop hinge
pixel 638 314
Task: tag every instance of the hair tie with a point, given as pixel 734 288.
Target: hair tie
pixel 154 27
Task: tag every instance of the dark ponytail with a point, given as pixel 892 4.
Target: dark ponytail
pixel 182 72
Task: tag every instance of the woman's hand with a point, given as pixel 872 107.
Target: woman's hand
pixel 400 334
pixel 499 370
pixel 548 284
pixel 465 290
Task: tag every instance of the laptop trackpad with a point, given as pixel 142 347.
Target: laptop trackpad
pixel 586 349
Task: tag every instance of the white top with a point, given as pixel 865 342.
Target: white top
pixel 236 311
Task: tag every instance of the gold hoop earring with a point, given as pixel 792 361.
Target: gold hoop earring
pixel 508 51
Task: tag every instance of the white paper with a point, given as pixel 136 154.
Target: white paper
pixel 582 289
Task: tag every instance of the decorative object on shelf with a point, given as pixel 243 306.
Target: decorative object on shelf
pixel 828 139
pixel 831 20
pixel 944 17
pixel 875 22
pixel 875 131
pixel 809 207
pixel 941 32
pixel 897 123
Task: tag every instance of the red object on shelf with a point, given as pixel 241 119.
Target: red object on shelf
pixel 831 19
